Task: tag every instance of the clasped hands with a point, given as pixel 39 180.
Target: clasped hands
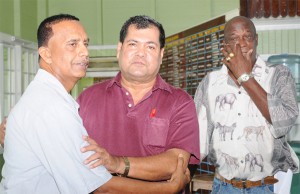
pixel 237 59
pixel 114 164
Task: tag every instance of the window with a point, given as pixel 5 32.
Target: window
pixel 18 65
pixel 9 82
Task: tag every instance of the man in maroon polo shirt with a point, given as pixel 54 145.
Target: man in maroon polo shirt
pixel 140 122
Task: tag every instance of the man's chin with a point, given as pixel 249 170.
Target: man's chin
pixel 81 74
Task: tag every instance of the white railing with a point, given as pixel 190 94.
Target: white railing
pixel 18 65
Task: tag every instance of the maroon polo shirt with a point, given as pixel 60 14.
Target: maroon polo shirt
pixel 165 118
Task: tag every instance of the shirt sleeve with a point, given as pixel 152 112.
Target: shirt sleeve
pixel 184 127
pixel 201 101
pixel 282 101
pixel 56 140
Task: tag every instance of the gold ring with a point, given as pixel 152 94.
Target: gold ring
pixel 231 55
pixel 228 58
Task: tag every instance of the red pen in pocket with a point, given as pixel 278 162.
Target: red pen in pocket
pixel 153 112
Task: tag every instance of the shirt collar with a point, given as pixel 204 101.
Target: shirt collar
pixel 116 80
pixel 45 77
pixel 159 84
pixel 259 69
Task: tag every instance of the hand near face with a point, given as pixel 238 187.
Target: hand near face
pixel 237 61
pixel 2 132
pixel 101 157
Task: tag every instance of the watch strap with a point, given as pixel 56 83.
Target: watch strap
pixel 240 80
pixel 127 166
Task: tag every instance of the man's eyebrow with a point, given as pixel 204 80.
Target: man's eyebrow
pixel 77 40
pixel 148 42
pixel 132 40
pixel 151 42
pixel 73 40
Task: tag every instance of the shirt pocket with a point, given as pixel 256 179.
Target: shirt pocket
pixel 156 132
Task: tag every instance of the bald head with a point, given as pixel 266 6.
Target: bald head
pixel 239 20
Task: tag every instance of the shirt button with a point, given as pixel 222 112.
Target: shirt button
pixel 129 105
pixel 239 114
pixel 240 92
pixel 127 93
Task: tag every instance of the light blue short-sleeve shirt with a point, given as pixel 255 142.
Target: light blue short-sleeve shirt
pixel 43 140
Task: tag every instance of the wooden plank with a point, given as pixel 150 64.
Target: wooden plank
pixel 267 8
pixel 202 181
pixel 275 8
pixel 259 9
pixel 292 8
pixel 298 7
pixel 243 8
pixel 283 8
pixel 251 8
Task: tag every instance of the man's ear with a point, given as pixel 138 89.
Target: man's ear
pixel 119 49
pixel 45 54
pixel 161 54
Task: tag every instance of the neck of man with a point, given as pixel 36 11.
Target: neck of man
pixel 66 82
pixel 137 89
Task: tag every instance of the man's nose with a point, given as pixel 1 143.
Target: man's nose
pixel 83 50
pixel 242 41
pixel 141 51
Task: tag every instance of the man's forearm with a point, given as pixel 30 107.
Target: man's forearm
pixel 126 185
pixel 158 167
pixel 259 97
pixel 180 177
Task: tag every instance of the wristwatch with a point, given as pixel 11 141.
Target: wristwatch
pixel 244 77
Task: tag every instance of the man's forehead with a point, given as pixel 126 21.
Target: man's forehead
pixel 71 26
pixel 143 32
pixel 238 25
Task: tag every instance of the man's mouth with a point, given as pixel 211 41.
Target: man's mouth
pixel 83 63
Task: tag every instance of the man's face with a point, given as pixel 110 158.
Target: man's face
pixel 240 31
pixel 140 55
pixel 68 51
